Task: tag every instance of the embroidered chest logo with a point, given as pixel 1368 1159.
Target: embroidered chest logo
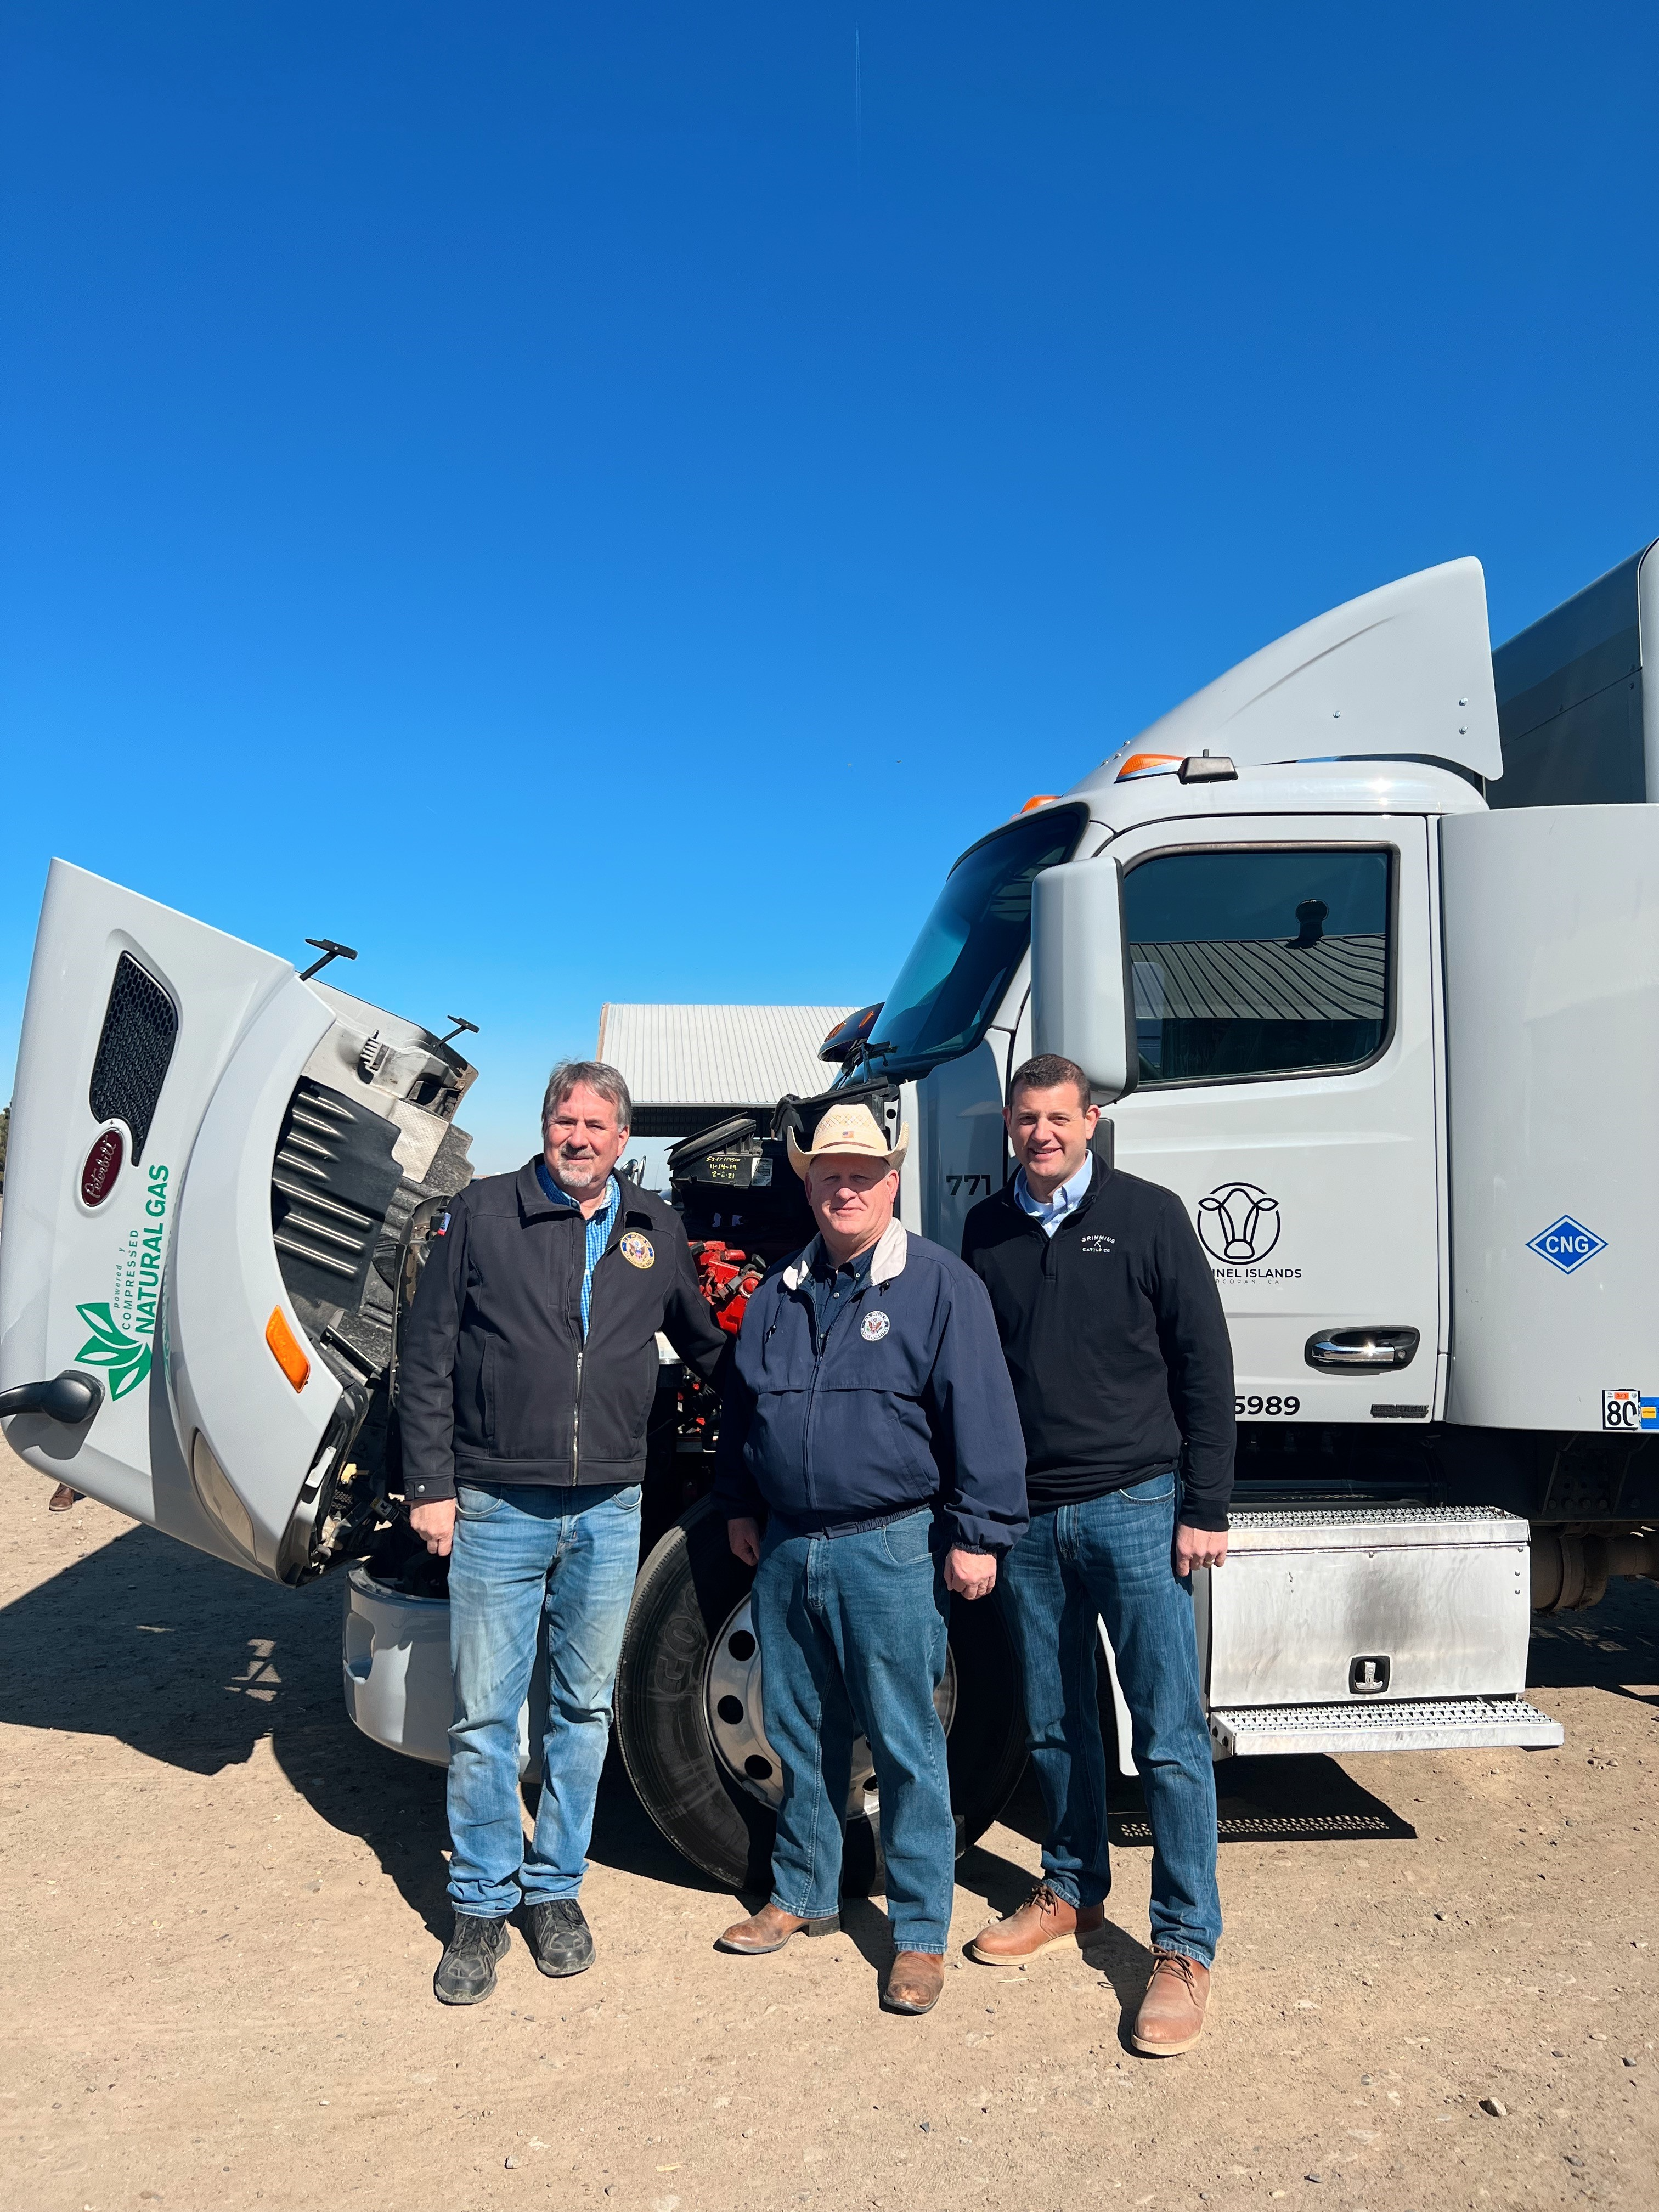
pixel 1097 1244
pixel 638 1251
pixel 874 1326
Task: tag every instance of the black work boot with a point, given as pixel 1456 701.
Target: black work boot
pixel 466 1971
pixel 560 1937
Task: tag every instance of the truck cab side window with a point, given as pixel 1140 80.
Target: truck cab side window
pixel 1274 962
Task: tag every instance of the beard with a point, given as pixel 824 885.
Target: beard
pixel 580 1177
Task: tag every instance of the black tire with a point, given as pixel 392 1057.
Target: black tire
pixel 687 1590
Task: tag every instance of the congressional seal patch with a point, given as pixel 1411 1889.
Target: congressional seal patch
pixel 638 1251
pixel 874 1326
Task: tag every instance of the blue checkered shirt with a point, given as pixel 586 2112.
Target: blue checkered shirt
pixel 600 1226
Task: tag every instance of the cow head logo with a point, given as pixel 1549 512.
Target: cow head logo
pixel 1238 1223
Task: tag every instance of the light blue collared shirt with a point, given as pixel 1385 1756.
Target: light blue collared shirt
pixel 1051 1212
pixel 599 1226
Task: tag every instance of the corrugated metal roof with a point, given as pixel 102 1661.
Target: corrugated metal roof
pixel 718 1055
pixel 1339 979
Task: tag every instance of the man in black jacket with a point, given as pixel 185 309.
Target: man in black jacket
pixel 1116 1341
pixel 528 1367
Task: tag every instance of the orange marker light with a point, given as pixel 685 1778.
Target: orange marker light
pixel 288 1355
pixel 1042 798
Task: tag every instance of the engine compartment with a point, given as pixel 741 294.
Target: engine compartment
pixel 369 1158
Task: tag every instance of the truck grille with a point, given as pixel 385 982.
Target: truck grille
pixel 134 1050
pixel 331 1184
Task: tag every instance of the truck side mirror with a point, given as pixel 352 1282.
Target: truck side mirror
pixel 1082 995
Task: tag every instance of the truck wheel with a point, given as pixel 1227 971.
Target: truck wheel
pixel 689 1721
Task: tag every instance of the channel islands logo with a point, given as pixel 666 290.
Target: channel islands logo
pixel 109 1346
pixel 1238 1223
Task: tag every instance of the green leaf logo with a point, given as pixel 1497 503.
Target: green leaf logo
pixel 110 1346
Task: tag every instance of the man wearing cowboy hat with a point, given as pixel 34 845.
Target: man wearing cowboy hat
pixel 869 1416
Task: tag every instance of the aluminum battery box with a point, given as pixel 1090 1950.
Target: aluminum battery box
pixel 1386 1627
pixel 1365 1628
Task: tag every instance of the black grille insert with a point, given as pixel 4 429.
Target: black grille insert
pixel 331 1184
pixel 141 1027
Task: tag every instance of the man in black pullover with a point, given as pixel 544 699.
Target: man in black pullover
pixel 1117 1347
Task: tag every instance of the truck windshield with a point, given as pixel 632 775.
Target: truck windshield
pixel 971 943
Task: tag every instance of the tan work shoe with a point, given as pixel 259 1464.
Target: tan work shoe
pixel 1171 2015
pixel 914 1982
pixel 1042 1923
pixel 769 1929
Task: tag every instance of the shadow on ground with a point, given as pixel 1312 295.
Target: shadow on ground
pixel 1274 1800
pixel 1614 1646
pixel 187 1660
pixel 192 1663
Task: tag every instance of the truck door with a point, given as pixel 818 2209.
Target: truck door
pixel 1289 1092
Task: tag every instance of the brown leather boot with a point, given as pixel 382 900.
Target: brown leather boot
pixel 914 1982
pixel 1171 2015
pixel 1042 1923
pixel 769 1929
pixel 61 1498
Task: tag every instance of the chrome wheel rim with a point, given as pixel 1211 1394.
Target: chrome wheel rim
pixel 731 1700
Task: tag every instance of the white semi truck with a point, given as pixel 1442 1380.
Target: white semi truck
pixel 1359 946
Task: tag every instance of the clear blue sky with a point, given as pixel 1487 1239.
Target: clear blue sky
pixel 594 504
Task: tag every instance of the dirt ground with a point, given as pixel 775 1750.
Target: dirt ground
pixel 222 1909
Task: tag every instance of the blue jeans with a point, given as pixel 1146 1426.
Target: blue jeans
pixel 852 1633
pixel 535 1571
pixel 1114 1556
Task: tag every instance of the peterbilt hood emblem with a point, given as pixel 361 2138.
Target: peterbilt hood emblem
pixel 1238 1223
pixel 102 1167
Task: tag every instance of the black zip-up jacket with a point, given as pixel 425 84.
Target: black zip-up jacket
pixel 495 1383
pixel 1115 1342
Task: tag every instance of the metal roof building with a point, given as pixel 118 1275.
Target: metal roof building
pixel 687 1065
pixel 1337 979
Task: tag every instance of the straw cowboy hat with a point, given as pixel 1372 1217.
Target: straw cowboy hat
pixel 848 1129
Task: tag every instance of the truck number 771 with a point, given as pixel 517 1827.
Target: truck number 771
pixel 1360 949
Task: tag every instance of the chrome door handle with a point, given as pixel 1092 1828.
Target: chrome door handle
pixel 1341 1349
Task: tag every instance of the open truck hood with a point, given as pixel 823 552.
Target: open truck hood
pixel 217 1175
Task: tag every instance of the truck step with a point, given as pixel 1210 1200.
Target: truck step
pixel 1419 1724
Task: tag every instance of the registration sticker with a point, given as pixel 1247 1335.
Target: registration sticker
pixel 1631 1410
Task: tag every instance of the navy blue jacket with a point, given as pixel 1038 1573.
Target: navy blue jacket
pixel 907 1404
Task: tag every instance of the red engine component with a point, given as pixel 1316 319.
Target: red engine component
pixel 727 1277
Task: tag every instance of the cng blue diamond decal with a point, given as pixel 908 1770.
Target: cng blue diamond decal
pixel 1567 1244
